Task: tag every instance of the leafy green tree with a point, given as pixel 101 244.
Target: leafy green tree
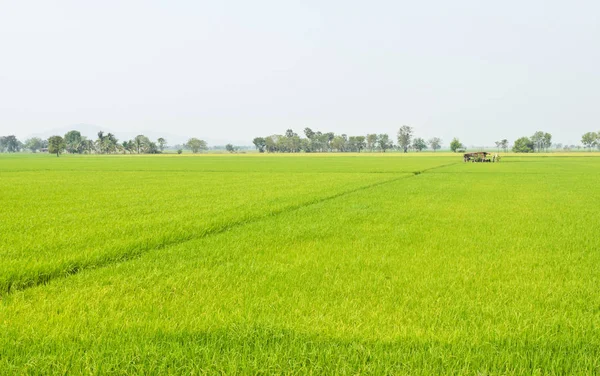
pixel 523 145
pixel 590 139
pixel 328 137
pixel 357 143
pixel 339 143
pixel 419 144
pixel 195 145
pixel 259 143
pixel 111 143
pixel 34 144
pixel 230 148
pixel 404 137
pixel 541 141
pixel 435 143
pixel 151 148
pixel 384 142
pixel 10 144
pixel 371 141
pixel 73 142
pixel 271 143
pixel 538 140
pixel 100 142
pixel 141 143
pixel 456 144
pixel 161 144
pixel 107 143
pixel 87 146
pixel 547 141
pixel 56 145
pixel 309 133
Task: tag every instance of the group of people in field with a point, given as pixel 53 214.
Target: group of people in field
pixel 481 156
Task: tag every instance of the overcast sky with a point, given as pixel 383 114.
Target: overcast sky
pixel 233 70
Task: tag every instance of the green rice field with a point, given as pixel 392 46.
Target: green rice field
pixel 414 264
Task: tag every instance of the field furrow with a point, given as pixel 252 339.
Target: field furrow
pixel 58 228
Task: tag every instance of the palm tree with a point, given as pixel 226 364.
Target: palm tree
pixel 100 142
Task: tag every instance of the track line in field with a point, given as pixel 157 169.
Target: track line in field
pixel 46 277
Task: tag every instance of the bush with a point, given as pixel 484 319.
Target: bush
pixel 523 145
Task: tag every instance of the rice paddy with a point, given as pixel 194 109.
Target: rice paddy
pixel 337 264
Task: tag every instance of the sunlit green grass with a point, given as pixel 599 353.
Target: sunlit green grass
pixel 57 222
pixel 467 268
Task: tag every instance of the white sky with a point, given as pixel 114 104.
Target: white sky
pixel 233 70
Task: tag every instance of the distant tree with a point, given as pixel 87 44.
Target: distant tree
pixel 419 144
pixel 435 143
pixel 73 142
pixel 523 145
pixel 309 133
pixel 111 143
pixel 371 141
pixel 384 142
pixel 141 143
pixel 100 142
pixel 107 143
pixel 339 143
pixel 230 148
pixel 271 143
pixel 504 145
pixel 56 145
pixel 305 145
pixel 590 139
pixel 179 151
pixel 293 143
pixel 10 144
pixel 547 141
pixel 327 138
pixel 259 143
pixel 161 144
pixel 195 145
pixel 456 144
pixel 541 141
pixel 127 146
pixel 356 143
pixel 404 137
pixel 34 144
pixel 537 139
pixel 151 148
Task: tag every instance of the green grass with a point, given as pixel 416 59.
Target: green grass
pixel 460 269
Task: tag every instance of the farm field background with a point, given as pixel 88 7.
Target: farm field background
pixel 395 263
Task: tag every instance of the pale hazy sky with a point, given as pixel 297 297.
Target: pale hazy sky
pixel 232 70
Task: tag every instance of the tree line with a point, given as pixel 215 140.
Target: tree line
pixel 320 142
pixel 106 143
pixel 289 142
pixel 542 142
